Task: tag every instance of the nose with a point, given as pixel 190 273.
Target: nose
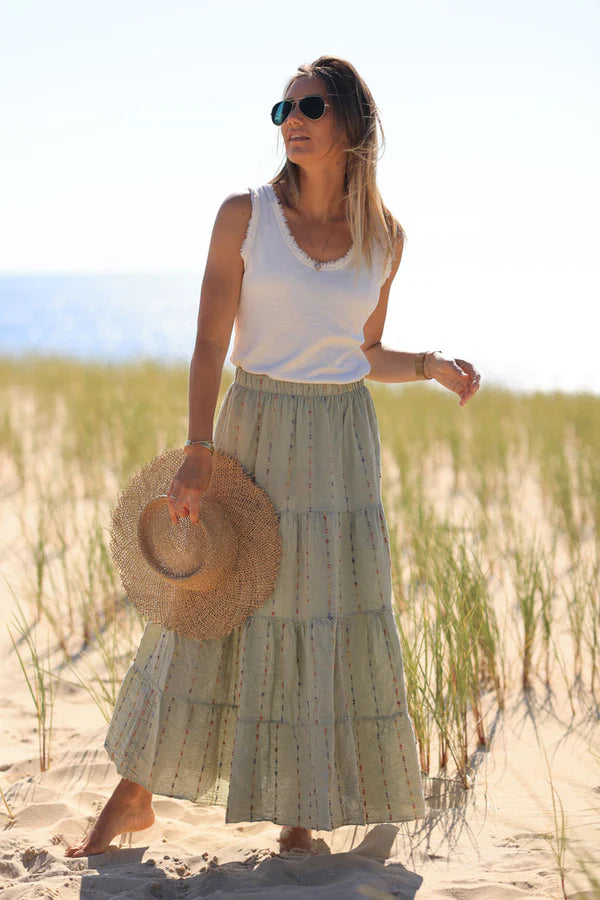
pixel 295 115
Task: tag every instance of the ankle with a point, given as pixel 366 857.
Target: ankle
pixel 134 791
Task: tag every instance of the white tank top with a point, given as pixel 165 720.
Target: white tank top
pixel 298 319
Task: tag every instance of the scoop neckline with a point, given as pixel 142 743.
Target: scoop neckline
pixel 316 264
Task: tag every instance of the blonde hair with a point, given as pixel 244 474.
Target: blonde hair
pixel 355 120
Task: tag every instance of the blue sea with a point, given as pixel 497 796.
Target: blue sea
pixel 124 317
pixel 111 317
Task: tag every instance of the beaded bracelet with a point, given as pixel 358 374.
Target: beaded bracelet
pixel 208 444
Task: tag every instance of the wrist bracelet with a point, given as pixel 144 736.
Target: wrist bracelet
pixel 208 444
pixel 420 364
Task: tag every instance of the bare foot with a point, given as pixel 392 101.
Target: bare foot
pixel 294 838
pixel 128 809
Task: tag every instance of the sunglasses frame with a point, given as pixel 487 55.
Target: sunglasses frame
pixel 299 100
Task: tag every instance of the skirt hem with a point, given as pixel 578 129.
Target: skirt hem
pixel 232 818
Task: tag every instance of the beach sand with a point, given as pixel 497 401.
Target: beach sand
pixel 493 841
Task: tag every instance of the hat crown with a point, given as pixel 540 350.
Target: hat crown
pixel 196 556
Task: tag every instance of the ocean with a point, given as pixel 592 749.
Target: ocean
pixel 124 317
pixel 109 317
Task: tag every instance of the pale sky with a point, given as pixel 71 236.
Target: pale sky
pixel 125 124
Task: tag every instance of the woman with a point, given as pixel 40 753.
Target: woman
pixel 299 716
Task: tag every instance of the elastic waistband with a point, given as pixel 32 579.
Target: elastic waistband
pixel 260 382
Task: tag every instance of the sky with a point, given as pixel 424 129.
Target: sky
pixel 125 125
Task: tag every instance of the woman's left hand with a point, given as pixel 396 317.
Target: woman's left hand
pixel 457 375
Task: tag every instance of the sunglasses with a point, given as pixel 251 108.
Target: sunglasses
pixel 312 107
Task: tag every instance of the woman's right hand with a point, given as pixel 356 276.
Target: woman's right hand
pixel 189 483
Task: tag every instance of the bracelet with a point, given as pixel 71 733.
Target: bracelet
pixel 208 444
pixel 420 364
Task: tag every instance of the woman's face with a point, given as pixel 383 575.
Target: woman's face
pixel 308 139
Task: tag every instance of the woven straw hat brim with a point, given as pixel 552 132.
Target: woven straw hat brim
pixel 252 577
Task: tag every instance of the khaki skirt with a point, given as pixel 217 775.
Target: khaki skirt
pixel 299 716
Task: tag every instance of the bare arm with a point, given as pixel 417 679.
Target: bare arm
pixel 387 365
pixel 219 298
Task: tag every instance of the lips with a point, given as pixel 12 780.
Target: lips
pixel 299 137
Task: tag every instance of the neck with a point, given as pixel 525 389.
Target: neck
pixel 322 195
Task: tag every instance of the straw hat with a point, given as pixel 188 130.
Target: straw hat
pixel 199 580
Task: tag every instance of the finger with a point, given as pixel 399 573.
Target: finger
pixel 462 383
pixel 459 371
pixel 462 373
pixel 194 512
pixel 474 374
pixel 171 507
pixel 470 369
pixel 467 394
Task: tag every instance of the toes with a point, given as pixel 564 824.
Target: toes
pixel 83 849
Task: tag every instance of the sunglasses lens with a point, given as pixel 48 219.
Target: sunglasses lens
pixel 280 112
pixel 312 107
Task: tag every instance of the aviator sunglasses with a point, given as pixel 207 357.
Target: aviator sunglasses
pixel 312 107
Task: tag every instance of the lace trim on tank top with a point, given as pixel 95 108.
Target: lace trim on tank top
pixel 252 225
pixel 389 259
pixel 298 251
pixel 387 269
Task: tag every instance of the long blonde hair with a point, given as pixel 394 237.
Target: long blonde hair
pixel 355 119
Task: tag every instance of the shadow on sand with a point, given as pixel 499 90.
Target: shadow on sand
pixel 121 872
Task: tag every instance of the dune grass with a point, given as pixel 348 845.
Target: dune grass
pixel 493 513
pixel 40 680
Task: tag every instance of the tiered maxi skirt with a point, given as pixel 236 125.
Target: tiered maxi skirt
pixel 299 716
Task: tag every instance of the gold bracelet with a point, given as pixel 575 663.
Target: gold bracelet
pixel 420 364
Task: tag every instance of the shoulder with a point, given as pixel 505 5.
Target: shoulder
pixel 235 211
pixel 395 243
pixel 398 250
pixel 393 259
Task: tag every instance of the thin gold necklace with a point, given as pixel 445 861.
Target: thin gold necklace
pixel 317 262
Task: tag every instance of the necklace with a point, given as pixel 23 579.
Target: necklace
pixel 317 262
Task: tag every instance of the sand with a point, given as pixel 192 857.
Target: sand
pixel 491 842
pixel 494 841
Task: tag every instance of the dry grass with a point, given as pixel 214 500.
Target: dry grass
pixel 493 513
